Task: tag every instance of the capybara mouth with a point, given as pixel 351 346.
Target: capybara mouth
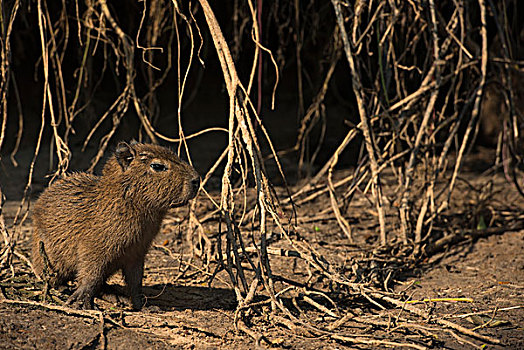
pixel 178 204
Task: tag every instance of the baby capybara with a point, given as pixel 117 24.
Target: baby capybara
pixel 92 226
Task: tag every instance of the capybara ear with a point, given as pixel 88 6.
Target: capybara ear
pixel 124 154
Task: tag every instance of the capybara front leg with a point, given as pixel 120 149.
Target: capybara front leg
pixel 133 274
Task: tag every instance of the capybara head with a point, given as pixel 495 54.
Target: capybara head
pixel 152 174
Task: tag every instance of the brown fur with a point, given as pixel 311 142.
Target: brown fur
pixel 93 226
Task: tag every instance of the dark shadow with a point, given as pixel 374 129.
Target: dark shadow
pixel 166 297
pixel 169 297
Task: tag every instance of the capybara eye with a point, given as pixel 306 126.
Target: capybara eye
pixel 158 167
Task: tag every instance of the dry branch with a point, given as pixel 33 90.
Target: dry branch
pixel 364 119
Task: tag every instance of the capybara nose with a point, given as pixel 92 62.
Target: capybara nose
pixel 195 183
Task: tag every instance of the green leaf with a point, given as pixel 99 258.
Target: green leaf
pixel 487 321
pixel 481 224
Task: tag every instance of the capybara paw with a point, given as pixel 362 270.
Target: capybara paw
pixel 80 301
pixel 137 302
pixel 151 309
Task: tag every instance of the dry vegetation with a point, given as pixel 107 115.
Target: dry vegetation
pixel 425 80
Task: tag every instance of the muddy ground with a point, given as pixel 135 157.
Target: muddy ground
pixel 184 312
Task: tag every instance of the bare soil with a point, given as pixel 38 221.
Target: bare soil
pixel 184 312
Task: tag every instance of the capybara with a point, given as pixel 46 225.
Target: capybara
pixel 92 226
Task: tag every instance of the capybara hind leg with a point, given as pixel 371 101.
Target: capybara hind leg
pixel 88 285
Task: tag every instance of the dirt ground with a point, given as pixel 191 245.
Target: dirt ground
pixel 184 312
pixel 491 272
